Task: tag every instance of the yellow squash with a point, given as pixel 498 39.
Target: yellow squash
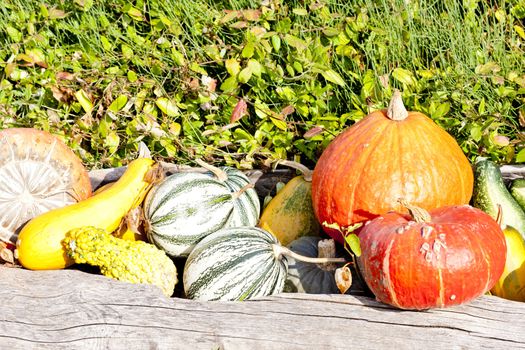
pixel 511 284
pixel 40 246
pixel 128 228
pixel 289 215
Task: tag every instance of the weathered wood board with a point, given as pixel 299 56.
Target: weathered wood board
pixel 71 309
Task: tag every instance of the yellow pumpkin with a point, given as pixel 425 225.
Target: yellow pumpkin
pixel 289 215
pixel 511 284
pixel 39 245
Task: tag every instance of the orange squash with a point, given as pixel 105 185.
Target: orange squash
pixel 388 155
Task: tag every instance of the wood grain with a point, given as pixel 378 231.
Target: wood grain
pixel 71 309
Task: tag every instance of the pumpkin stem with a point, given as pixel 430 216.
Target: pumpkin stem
pixel 396 109
pixel 418 214
pixel 499 215
pixel 242 190
pixel 326 249
pixel 219 173
pixel 155 174
pixel 307 173
pixel 279 251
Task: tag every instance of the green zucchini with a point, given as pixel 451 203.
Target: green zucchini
pixel 517 190
pixel 490 192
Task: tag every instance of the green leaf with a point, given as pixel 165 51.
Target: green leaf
pixel 300 12
pixel 132 76
pixel 136 14
pixel 404 76
pixel 230 15
pixel 279 123
pixel 333 77
pixel 178 57
pixel 112 141
pixel 83 98
pixel 84 4
pixel 487 68
pixel 331 32
pixel 167 107
pixel 276 43
pixel 233 66
pixel 295 42
pixel 441 110
pixel 520 31
pixel 476 133
pixel 520 157
pixel 255 67
pixel 245 75
pixel 106 45
pixel 353 242
pixel 194 66
pixel 248 50
pixel 118 103
pixel 481 107
pixel 14 34
pixel 229 84
pixel 368 83
pixel 127 52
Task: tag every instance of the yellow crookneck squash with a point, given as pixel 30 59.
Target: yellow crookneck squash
pixel 289 215
pixel 40 242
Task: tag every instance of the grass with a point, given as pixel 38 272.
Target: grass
pixel 459 62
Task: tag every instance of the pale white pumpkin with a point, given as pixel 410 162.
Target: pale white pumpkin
pixel 38 172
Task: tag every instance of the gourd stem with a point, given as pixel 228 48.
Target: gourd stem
pixel 326 249
pixel 396 109
pixel 307 173
pixel 418 214
pixel 242 190
pixel 279 251
pixel 221 175
pixel 155 174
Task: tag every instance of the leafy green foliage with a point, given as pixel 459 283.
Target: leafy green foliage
pixel 247 82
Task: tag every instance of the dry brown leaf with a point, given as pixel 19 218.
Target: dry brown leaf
pixel 343 278
pixel 313 132
pixel 239 111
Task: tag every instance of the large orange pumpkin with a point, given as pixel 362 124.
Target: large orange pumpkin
pixel 444 257
pixel 388 155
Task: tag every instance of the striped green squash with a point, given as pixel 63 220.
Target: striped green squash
pixel 235 264
pixel 186 207
pixel 247 206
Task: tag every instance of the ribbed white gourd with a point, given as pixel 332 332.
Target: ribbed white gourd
pixel 234 264
pixel 186 207
pixel 37 173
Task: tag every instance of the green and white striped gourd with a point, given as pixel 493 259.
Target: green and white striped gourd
pixel 236 264
pixel 186 207
pixel 247 206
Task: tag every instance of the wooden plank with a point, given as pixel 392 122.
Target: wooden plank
pixel 71 309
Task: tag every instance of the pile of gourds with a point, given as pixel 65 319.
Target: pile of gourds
pixel 394 181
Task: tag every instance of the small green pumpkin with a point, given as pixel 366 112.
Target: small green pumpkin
pixel 313 278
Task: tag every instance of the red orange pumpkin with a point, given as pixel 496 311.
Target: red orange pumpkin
pixel 390 154
pixel 440 258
